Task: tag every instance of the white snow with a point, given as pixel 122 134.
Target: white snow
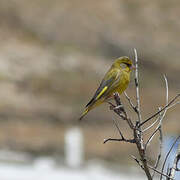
pixel 47 169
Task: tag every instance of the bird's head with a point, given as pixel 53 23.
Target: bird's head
pixel 124 63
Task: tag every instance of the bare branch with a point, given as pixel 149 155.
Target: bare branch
pixel 175 164
pixel 162 174
pixel 140 147
pixel 167 155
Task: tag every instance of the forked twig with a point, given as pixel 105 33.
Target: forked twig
pixel 118 111
pixel 122 140
pixel 139 163
pixel 121 110
pixel 159 172
pixel 154 115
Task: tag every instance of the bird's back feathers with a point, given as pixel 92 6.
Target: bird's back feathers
pixel 105 85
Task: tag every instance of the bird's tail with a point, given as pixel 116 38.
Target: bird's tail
pixel 84 113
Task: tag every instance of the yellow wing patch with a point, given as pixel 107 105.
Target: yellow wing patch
pixel 102 92
pixel 85 112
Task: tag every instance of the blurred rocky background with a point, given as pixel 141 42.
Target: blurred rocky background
pixel 53 54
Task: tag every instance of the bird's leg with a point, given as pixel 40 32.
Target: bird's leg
pixel 119 106
pixel 115 108
pixel 112 106
pixel 110 98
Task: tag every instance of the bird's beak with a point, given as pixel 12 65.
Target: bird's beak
pixel 133 67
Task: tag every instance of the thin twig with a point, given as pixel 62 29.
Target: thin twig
pixel 150 138
pixel 173 105
pixel 167 155
pixel 155 114
pixel 162 174
pixel 158 128
pixel 160 151
pixel 151 124
pixel 160 118
pixel 167 99
pixel 122 139
pixel 120 133
pixel 130 102
pixel 168 169
pixel 175 164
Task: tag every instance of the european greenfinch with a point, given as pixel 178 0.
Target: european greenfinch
pixel 115 80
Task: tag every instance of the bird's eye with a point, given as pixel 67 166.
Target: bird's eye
pixel 123 66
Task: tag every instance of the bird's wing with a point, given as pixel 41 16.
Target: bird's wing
pixel 109 80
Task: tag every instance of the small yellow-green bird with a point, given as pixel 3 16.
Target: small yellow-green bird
pixel 115 80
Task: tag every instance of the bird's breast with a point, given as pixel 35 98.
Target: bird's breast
pixel 123 83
